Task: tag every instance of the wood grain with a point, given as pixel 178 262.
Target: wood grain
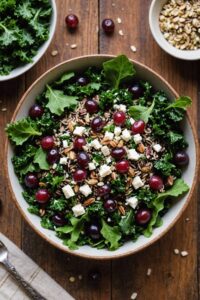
pixel 173 277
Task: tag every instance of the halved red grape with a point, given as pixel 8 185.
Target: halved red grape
pixel 53 156
pixel 36 111
pixel 138 127
pixel 97 124
pixel 136 90
pixel 110 205
pixel 108 26
pixel 31 181
pixel 79 142
pixel 71 21
pixel 103 190
pixel 181 158
pixel 118 153
pixel 91 106
pixel 83 159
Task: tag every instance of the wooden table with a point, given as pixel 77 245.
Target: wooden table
pixel 173 277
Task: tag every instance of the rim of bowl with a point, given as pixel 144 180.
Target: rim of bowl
pixel 163 43
pixel 41 50
pixel 65 248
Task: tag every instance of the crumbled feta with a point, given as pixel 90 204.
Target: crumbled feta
pixel 122 107
pixel 79 130
pixel 157 147
pixel 137 138
pixel 117 138
pixel 132 121
pixel 105 171
pixel 91 166
pixel 137 182
pixel 115 106
pixel 54 166
pixel 117 131
pixel 63 160
pixel 95 144
pixel 126 135
pixel 78 210
pixel 132 201
pixel 68 191
pixel 85 190
pixel 105 150
pixel 108 160
pixel 109 135
pixel 133 154
pixel 65 144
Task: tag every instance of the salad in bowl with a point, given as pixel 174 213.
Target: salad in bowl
pixel 100 155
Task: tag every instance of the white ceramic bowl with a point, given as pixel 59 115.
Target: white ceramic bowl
pixel 154 13
pixel 79 64
pixel 21 70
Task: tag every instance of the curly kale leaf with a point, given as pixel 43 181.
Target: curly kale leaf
pixel 165 165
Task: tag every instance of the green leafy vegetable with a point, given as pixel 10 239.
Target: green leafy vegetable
pixel 165 166
pixel 141 112
pixel 117 69
pixel 65 77
pixel 182 102
pixel 58 101
pixel 127 223
pixel 179 188
pixel 40 159
pixel 111 234
pixel 20 131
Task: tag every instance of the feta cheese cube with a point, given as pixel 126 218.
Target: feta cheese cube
pixel 137 182
pixel 68 191
pixel 126 135
pixel 105 171
pixel 65 144
pixel 91 166
pixel 85 190
pixel 132 201
pixel 133 154
pixel 63 160
pixel 108 135
pixel 78 210
pixel 105 150
pixel 122 107
pixel 137 138
pixel 132 121
pixel 79 130
pixel 86 147
pixel 157 147
pixel 95 144
pixel 117 131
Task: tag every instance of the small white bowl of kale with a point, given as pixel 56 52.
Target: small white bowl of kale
pixel 26 30
pixel 102 160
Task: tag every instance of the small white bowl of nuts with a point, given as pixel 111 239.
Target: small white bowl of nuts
pixel 175 26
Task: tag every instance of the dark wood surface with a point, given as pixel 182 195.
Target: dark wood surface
pixel 173 277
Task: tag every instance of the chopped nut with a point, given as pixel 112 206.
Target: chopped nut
pixel 121 143
pixel 72 279
pixel 113 144
pixel 131 172
pixel 72 155
pixel 170 180
pixel 149 271
pixel 88 201
pixel 71 126
pixel 93 175
pixel 42 212
pixel 114 175
pixel 146 169
pixel 134 296
pixel 76 188
pixel 133 48
pixel 68 149
pixel 54 53
pixel 92 181
pixel 184 253
pixel 122 210
pixel 141 148
pixel 176 251
pixel 73 46
pixel 42 184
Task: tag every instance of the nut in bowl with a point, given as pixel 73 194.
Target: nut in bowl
pixel 25 34
pixel 94 169
pixel 175 26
